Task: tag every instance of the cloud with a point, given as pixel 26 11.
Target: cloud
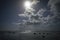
pixel 55 9
pixel 35 2
pixel 54 4
pixel 36 18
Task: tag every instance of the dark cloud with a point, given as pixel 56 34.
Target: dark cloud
pixel 57 6
pixel 54 8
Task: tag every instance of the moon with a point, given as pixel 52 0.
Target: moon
pixel 27 4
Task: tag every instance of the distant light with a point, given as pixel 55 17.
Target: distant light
pixel 27 4
pixel 26 31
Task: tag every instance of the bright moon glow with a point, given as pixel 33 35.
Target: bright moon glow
pixel 27 4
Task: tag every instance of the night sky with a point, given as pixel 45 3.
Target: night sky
pixel 10 9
